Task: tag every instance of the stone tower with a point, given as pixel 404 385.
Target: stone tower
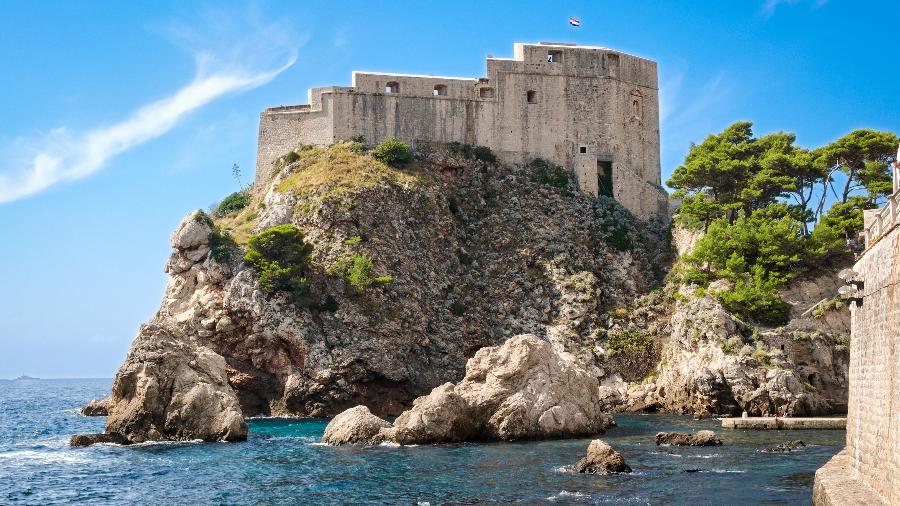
pixel 591 109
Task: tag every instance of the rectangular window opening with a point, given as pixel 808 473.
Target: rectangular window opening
pixel 531 96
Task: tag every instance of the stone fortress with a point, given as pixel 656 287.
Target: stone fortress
pixel 590 109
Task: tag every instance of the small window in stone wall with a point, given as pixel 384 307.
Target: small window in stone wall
pixel 486 92
pixel 440 90
pixel 531 96
pixel 554 56
pixel 582 149
pixel 392 87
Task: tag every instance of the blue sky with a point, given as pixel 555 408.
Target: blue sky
pixel 119 118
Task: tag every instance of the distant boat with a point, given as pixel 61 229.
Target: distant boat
pixel 24 377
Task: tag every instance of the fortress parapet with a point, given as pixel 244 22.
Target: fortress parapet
pixel 590 109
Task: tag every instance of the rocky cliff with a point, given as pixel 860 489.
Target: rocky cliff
pixel 476 252
pixel 459 253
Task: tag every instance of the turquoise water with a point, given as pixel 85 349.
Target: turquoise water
pixel 283 463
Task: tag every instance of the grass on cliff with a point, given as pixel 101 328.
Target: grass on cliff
pixel 345 168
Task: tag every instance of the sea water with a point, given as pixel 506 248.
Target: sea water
pixel 283 462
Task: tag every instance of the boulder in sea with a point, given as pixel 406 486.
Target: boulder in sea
pixel 602 459
pixel 102 437
pixel 171 388
pixel 97 407
pixel 523 389
pixel 786 447
pixel 355 425
pixel 699 438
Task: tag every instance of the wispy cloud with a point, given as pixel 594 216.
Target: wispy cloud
pixel 770 6
pixel 244 63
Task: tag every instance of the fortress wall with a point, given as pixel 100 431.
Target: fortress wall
pixel 417 86
pixel 873 419
pixel 377 117
pixel 588 97
pixel 284 129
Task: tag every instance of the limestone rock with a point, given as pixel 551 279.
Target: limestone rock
pixel 699 438
pixel 602 459
pixel 103 437
pixel 786 447
pixel 97 407
pixel 193 231
pixel 355 425
pixel 520 390
pixel 715 364
pixel 170 389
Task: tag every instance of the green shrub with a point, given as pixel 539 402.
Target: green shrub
pixel 233 203
pixel 353 241
pixel 221 244
pixel 392 152
pixel 357 272
pixel 628 339
pixel 761 356
pixel 280 255
pixel 549 174
pixel 485 154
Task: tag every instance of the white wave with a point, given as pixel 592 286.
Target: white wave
pixel 318 443
pixel 564 469
pixel 565 494
pixel 43 457
pixel 721 471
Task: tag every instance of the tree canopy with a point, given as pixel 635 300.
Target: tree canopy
pixel 756 197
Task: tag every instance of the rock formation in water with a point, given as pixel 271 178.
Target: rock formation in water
pixel 414 270
pixel 97 407
pixel 475 251
pixel 522 389
pixel 699 438
pixel 601 459
pixel 356 425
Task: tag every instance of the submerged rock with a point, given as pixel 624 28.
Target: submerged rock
pixel 785 447
pixel 699 438
pixel 601 459
pixel 102 437
pixel 173 389
pixel 520 390
pixel 97 407
pixel 356 425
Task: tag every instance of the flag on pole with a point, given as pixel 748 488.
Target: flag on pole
pixel 574 21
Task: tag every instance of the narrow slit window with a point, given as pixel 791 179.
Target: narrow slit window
pixel 392 87
pixel 531 96
pixel 440 90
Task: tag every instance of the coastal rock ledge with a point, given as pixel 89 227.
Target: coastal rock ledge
pixel 699 438
pixel 523 389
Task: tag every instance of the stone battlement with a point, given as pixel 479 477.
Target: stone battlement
pixel 591 109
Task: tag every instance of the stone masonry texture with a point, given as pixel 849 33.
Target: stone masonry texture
pixel 872 454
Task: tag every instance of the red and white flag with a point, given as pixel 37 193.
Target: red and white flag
pixel 574 21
